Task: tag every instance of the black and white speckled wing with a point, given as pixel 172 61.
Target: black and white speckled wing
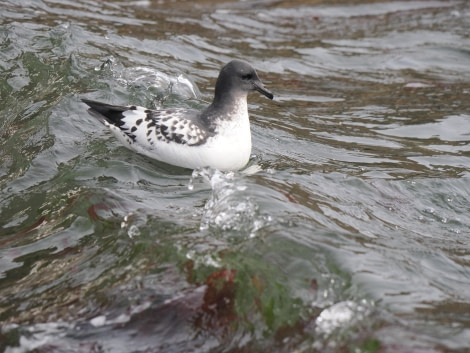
pixel 149 128
pixel 170 126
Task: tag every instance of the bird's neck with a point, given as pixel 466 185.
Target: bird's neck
pixel 226 107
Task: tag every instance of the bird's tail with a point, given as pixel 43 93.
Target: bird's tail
pixel 104 112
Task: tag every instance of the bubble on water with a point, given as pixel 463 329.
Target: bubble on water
pixel 342 317
pixel 335 316
pixel 133 231
pixel 98 321
pixel 190 254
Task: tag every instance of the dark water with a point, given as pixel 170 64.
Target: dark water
pixel 347 232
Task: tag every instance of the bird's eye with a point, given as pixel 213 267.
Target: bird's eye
pixel 247 76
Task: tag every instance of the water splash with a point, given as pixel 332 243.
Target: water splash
pixel 341 322
pixel 231 206
pixel 147 79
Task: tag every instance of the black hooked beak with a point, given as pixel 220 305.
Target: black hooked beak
pixel 260 88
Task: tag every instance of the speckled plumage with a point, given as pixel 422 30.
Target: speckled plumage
pixel 218 136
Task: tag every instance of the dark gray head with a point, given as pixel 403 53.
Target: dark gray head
pixel 238 78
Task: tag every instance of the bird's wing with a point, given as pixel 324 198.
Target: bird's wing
pixel 171 125
pixel 150 127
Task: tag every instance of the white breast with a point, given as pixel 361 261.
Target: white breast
pixel 230 149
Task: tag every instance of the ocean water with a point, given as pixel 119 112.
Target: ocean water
pixel 348 231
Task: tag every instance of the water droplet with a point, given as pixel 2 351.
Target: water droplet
pixel 133 231
pixel 98 321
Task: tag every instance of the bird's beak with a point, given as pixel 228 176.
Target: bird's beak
pixel 260 88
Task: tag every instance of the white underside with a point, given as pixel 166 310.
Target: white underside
pixel 229 149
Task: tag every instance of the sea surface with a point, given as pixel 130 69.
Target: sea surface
pixel 348 231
